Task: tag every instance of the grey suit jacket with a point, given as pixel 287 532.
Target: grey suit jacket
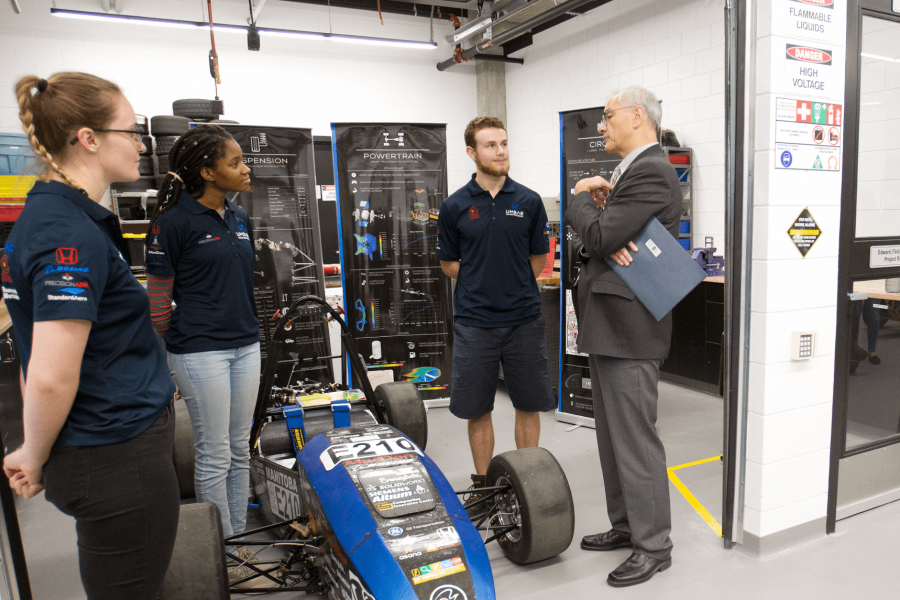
pixel 612 322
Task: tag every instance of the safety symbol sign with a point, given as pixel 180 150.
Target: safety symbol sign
pixel 808 134
pixel 804 232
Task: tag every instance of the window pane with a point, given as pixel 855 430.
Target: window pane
pixel 873 401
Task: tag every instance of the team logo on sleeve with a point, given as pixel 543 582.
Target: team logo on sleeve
pixel 473 213
pixel 66 256
pixel 4 268
pixel 241 234
pixel 155 229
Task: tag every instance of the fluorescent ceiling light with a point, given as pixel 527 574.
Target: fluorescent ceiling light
pixel 220 27
pixel 879 57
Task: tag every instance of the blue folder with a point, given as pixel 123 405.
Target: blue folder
pixel 662 273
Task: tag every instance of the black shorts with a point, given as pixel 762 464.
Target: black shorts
pixel 477 356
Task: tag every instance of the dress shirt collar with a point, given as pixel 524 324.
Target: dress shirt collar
pixel 626 162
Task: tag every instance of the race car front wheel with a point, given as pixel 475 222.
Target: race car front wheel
pixel 537 505
pixel 404 410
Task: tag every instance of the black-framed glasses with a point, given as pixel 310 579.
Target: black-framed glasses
pixel 607 115
pixel 134 133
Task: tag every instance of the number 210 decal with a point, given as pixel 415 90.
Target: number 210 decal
pixel 339 453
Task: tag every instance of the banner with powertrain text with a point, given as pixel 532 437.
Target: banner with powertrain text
pixel 583 154
pixel 283 209
pixel 391 180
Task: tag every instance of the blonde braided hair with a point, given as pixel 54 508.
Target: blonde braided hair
pixel 52 111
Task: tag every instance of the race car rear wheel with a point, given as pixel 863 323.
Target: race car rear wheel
pixel 183 453
pixel 538 504
pixel 404 410
pixel 197 569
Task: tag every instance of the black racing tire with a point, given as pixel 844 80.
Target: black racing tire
pixel 197 109
pixel 404 410
pixel 164 144
pixel 539 501
pixel 184 450
pixel 162 164
pixel 145 167
pixel 197 570
pixel 162 125
pixel 147 141
pixel 141 184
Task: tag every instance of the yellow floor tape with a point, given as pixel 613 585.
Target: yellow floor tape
pixel 692 500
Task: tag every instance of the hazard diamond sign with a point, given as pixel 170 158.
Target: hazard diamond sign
pixel 804 232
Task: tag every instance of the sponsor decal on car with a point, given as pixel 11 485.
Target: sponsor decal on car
pixel 448 592
pixel 437 570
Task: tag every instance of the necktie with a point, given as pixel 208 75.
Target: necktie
pixel 615 175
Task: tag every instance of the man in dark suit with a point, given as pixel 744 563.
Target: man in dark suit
pixel 625 342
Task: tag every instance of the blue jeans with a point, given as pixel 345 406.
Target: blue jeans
pixel 219 389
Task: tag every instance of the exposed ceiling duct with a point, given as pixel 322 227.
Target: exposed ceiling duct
pixel 522 23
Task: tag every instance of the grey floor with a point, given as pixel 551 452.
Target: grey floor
pixel 860 560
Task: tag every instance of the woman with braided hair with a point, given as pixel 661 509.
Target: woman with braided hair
pixel 98 415
pixel 200 254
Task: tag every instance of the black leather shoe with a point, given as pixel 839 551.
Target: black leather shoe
pixel 610 540
pixel 637 569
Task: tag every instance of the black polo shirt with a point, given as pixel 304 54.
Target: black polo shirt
pixel 64 260
pixel 493 240
pixel 212 260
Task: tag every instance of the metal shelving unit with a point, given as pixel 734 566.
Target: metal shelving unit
pixel 684 168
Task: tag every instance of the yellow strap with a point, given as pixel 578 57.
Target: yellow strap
pixel 134 236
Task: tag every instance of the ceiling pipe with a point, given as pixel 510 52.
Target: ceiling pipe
pixel 15 7
pixel 105 5
pixel 515 32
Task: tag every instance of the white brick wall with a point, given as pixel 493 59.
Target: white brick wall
pixel 290 82
pixel 673 47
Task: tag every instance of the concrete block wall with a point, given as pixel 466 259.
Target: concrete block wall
pixel 790 403
pixel 291 81
pixel 673 47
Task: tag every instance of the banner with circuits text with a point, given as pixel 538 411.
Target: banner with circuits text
pixel 391 180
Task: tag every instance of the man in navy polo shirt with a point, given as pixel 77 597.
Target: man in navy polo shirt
pixel 493 238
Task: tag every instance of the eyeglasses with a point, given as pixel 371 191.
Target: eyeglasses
pixel 135 134
pixel 607 115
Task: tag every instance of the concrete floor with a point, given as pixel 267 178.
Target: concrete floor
pixel 858 561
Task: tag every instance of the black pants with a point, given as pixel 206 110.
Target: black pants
pixel 125 501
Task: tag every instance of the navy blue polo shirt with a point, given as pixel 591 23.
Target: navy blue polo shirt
pixel 493 240
pixel 64 260
pixel 212 260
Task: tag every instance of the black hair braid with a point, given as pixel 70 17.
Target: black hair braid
pixel 200 147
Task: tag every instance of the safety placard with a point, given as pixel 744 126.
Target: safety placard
pixel 804 232
pixel 811 70
pixel 808 135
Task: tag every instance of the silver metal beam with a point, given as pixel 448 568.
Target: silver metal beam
pixel 499 13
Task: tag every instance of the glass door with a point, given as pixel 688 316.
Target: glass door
pixel 865 449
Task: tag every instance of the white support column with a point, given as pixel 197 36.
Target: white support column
pixel 790 402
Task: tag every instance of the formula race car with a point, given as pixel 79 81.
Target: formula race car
pixel 361 512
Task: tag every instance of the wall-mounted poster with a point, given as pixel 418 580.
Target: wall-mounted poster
pixel 284 212
pixel 391 180
pixel 583 155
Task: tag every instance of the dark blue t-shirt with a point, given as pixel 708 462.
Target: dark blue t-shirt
pixel 212 261
pixel 493 240
pixel 64 260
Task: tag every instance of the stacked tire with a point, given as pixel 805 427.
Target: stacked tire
pixel 166 129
